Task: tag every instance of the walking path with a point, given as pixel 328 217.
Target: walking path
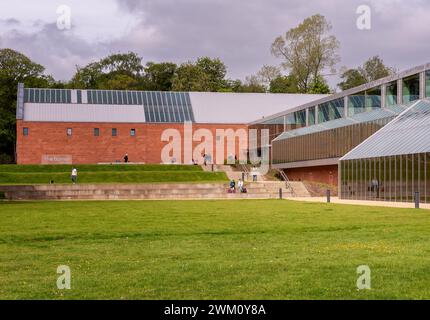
pixel 361 202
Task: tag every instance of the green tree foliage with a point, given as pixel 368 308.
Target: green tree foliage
pixel 319 86
pixel 307 50
pixel 284 84
pixel 117 71
pixel 205 74
pixel 159 76
pixel 252 85
pixel 373 69
pixel 14 68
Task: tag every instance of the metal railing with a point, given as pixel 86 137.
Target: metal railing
pixel 287 182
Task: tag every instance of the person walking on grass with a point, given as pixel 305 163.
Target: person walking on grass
pixel 74 175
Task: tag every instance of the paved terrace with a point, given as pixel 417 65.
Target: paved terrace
pixel 361 202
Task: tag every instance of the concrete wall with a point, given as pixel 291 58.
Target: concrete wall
pixel 47 142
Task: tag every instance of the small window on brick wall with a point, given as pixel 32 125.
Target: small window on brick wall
pixel 25 131
pixel 96 132
pixel 69 132
pixel 132 132
pixel 114 132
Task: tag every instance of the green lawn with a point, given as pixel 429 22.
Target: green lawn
pixel 212 250
pixel 36 174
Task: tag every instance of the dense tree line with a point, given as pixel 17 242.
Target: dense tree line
pixel 305 52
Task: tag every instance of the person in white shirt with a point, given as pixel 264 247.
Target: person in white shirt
pixel 240 185
pixel 74 175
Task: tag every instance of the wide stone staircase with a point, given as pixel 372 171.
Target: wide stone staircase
pixel 256 190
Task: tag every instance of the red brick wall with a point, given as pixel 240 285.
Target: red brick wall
pixel 50 138
pixel 323 174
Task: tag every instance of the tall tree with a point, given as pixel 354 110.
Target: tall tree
pixel 307 50
pixel 267 74
pixel 14 68
pixel 110 71
pixel 252 85
pixel 373 69
pixel 159 76
pixel 284 84
pixel 215 70
pixel 205 74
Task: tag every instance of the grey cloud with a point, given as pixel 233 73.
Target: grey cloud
pixel 238 32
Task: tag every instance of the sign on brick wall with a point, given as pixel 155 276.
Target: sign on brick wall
pixel 56 159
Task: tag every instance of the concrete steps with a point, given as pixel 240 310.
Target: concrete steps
pixel 263 190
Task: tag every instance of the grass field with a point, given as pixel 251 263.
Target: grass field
pixel 36 174
pixel 212 250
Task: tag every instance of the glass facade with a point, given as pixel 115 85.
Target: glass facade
pixel 393 178
pixel 331 110
pixel 327 144
pixel 391 94
pixel 411 88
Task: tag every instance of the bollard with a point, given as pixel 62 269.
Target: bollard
pixel 417 200
pixel 212 168
pixel 328 196
pixel 280 193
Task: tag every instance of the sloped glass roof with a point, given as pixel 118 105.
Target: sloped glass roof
pixel 363 117
pixel 409 133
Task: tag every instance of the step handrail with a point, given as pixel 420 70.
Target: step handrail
pixel 287 182
pixel 245 170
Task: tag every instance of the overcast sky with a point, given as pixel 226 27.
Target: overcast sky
pixel 238 32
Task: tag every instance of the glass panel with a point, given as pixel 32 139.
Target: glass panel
pixel 104 97
pixel 132 132
pixel 312 117
pixel 356 103
pixel 114 132
pixel 373 99
pixel 99 97
pixel 37 95
pixel 427 84
pixel 109 97
pixel 331 110
pixel 96 132
pixel 411 88
pixel 134 97
pixel 31 95
pixel 146 110
pixel 145 99
pixel 391 94
pixel 129 98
